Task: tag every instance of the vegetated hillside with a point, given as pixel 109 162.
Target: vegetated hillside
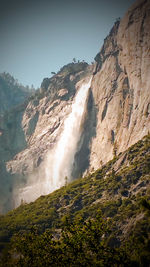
pixel 11 92
pixel 120 190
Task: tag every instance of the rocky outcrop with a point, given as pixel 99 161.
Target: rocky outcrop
pixel 121 85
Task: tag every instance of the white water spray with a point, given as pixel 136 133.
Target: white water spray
pixel 59 161
pixel 66 148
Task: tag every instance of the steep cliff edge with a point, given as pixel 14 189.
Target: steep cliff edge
pixel 121 85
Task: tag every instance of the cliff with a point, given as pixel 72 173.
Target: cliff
pixel 121 85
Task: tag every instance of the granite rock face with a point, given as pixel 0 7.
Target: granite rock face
pixel 121 85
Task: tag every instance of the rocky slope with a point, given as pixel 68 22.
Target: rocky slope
pixel 118 107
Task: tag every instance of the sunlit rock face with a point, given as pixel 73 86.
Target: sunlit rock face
pixel 121 85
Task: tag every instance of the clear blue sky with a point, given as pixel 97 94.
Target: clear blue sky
pixel 40 36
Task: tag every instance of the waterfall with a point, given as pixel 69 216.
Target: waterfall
pixel 59 161
pixel 63 157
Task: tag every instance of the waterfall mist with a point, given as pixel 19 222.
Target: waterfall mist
pixel 59 161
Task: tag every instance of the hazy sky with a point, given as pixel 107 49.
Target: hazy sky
pixel 37 37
